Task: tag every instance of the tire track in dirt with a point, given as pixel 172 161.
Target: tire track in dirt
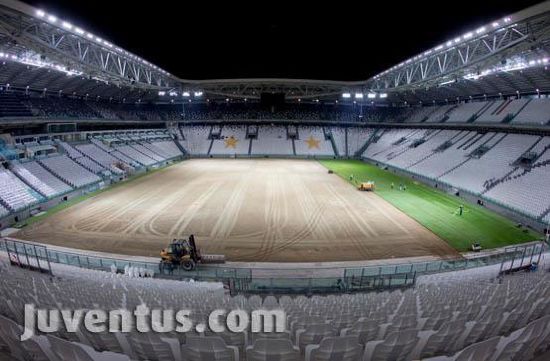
pixel 187 216
pixel 229 215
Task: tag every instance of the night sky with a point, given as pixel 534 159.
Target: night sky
pixel 336 40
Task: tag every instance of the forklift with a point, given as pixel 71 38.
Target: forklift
pixel 184 254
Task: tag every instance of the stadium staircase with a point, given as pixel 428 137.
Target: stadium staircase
pixel 210 136
pixel 145 154
pixel 62 150
pixel 411 142
pixel 346 141
pixel 293 138
pixel 469 158
pixel 474 138
pixel 502 106
pixel 54 173
pixel 42 195
pixel 546 149
pixel 364 147
pixel 180 147
pixel 520 110
pixel 445 116
pixel 483 109
pixel 544 214
pixel 436 150
pixel 251 134
pixel 328 136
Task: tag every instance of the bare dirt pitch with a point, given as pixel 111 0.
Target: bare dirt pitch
pixel 250 210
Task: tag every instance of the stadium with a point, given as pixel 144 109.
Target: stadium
pixel 402 217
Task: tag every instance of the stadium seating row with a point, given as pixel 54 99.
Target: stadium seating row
pixel 481 163
pixel 15 194
pixel 41 179
pixel 509 110
pixel 456 316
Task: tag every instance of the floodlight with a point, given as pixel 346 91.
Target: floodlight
pixel 371 95
pixel 346 95
pixel 198 94
pixel 40 13
pixel 480 30
pixel 67 25
pixel 383 95
pixel 358 95
pixel 186 94
pixel 52 19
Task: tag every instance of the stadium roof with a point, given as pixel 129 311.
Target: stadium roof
pixel 40 51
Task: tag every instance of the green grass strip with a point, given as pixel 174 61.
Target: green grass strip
pixel 437 210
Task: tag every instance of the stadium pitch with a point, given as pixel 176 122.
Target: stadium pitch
pixel 436 210
pixel 271 210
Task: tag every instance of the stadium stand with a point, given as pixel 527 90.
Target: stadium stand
pixel 136 155
pixel 536 112
pixel 464 312
pixel 312 142
pixel 12 106
pixel 502 111
pixel 465 112
pixel 232 140
pixel 69 171
pixel 167 147
pixel 14 192
pixel 147 152
pixel 92 151
pixel 61 108
pixel 41 179
pixel 196 139
pixel 495 163
pixel 272 140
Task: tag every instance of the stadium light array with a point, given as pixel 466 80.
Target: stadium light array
pixel 198 94
pixel 452 43
pixel 162 93
pixel 383 95
pixel 358 95
pixel 79 31
pixel 371 95
pixel 346 95
pixel 186 94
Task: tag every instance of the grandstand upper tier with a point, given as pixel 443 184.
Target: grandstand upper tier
pixel 43 53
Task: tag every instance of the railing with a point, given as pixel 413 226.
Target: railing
pixel 248 280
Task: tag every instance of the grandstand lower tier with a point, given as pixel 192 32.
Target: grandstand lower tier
pixel 463 315
pixel 504 171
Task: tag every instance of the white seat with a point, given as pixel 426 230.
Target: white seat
pixel 340 348
pixel 395 347
pixel 72 351
pixel 272 350
pixel 313 334
pixel 208 349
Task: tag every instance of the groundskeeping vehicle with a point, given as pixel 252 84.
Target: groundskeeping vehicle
pixel 183 253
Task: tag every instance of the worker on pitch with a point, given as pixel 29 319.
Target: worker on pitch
pixel 461 209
